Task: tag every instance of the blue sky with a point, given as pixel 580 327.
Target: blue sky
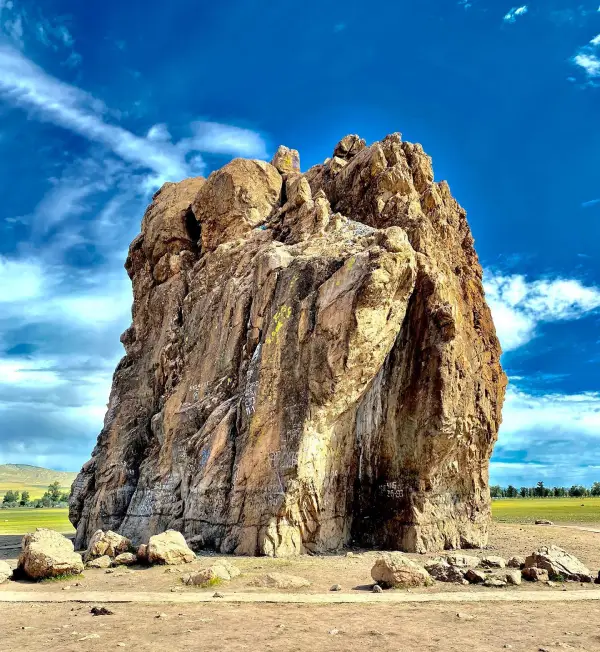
pixel 99 104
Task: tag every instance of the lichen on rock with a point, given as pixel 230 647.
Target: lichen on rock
pixel 311 363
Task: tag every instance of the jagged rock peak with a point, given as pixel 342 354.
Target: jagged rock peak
pixel 311 363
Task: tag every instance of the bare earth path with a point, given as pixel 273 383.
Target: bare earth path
pixel 390 597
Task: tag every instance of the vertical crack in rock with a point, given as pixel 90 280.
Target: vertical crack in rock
pixel 311 363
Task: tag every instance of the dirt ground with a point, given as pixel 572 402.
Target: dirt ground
pixel 230 626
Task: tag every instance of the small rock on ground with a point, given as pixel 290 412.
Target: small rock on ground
pixel 377 589
pixel 336 587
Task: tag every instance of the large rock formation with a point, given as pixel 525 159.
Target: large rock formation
pixel 311 362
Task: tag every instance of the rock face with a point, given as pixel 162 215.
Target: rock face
pixel 311 363
pixel 46 553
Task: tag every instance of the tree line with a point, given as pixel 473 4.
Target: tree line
pixel 541 491
pixel 54 497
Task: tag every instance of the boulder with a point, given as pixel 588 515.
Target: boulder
pixel 5 571
pixel 442 571
pixel 516 562
pixel 495 582
pixel 280 581
pixel 46 553
pixel 492 561
pixel 462 561
pixel 286 160
pixel 396 570
pixel 106 543
pixel 100 562
pixel 222 571
pixel 513 577
pixel 125 559
pixel 169 548
pixel 476 576
pixel 543 521
pixel 278 332
pixel 534 574
pixel 560 564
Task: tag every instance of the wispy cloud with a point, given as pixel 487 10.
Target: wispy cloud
pixel 590 203
pixel 588 58
pixel 514 13
pixel 24 84
pixel 519 305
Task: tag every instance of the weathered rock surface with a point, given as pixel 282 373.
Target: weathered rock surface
pixel 169 548
pixel 5 571
pixel 311 363
pixel 516 562
pixel 559 564
pixel 125 559
pixel 492 561
pixel 281 581
pixel 100 562
pixel 394 569
pixel 106 543
pixel 221 571
pixel 475 576
pixel 534 574
pixel 442 571
pixel 46 553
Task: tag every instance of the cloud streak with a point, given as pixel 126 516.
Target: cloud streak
pixel 514 13
pixel 519 305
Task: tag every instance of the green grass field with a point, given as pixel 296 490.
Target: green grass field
pixel 558 510
pixel 21 521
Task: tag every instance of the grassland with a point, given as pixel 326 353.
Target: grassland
pixel 558 510
pixel 35 479
pixel 21 521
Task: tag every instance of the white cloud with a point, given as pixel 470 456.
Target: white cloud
pixel 21 281
pixel 554 437
pixel 514 13
pixel 519 305
pixel 588 57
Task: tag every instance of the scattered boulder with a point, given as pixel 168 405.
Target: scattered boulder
pixel 396 570
pixel 493 562
pixel 100 562
pixel 280 581
pixel 377 589
pixel 462 561
pixel 46 553
pixel 560 564
pixel 169 548
pixel 475 576
pixel 101 611
pixel 543 521
pixel 336 587
pixel 222 571
pixel 125 559
pixel 442 571
pixel 106 543
pixel 516 562
pixel 5 571
pixel 534 574
pixel 494 582
pixel 513 577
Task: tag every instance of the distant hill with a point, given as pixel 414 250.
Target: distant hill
pixel 34 479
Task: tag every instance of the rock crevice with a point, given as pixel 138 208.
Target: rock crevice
pixel 311 363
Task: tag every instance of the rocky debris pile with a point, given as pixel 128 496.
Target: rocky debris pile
pixel 46 553
pixel 108 544
pixel 222 571
pixel 5 571
pixel 548 563
pixel 307 350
